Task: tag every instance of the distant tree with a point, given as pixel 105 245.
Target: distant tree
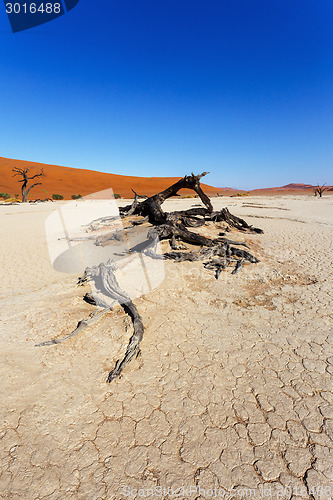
pixel 117 196
pixel 23 173
pixel 16 195
pixel 76 196
pixel 57 197
pixel 318 190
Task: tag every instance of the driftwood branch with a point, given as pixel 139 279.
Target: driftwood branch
pixel 82 325
pixel 180 228
pixel 152 205
pixel 134 204
pixel 106 282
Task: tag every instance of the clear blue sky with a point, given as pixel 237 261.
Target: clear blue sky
pixel 241 88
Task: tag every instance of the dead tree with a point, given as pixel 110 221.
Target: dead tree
pixel 216 254
pixel 318 190
pixel 23 172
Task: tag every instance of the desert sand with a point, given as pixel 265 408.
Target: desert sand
pixel 232 396
pixel 68 181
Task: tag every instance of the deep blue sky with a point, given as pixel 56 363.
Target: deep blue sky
pixel 241 88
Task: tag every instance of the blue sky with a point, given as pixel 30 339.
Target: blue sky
pixel 162 87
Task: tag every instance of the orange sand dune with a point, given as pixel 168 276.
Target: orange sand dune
pixel 68 181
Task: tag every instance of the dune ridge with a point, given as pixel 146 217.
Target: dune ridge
pixel 69 181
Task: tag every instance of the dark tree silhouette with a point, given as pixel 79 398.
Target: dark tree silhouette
pixel 23 172
pixel 319 190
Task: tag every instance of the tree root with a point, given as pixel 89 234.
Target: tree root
pixel 82 325
pixel 133 348
pixel 105 281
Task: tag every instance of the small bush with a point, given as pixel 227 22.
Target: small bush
pixel 5 196
pixel 189 196
pixel 16 195
pixel 239 194
pixel 57 197
pixel 116 196
pixel 76 196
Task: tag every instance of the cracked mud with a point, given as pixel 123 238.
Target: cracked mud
pixel 233 389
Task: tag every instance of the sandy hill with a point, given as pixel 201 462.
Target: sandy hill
pixel 292 188
pixel 68 181
pixel 297 186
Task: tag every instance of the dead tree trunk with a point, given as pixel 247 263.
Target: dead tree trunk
pixel 320 189
pixel 174 224
pixel 23 172
pixel 152 206
pixel 216 254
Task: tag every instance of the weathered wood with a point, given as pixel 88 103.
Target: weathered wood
pixel 238 266
pixel 233 242
pixel 169 229
pixel 193 221
pixel 233 221
pixel 175 245
pixel 82 325
pixel 152 205
pixel 134 204
pixel 133 348
pixel 184 256
pixel 216 254
pixel 106 282
pixel 140 221
pixel 242 254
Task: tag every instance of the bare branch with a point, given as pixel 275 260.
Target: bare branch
pixel 37 175
pixel 36 184
pixel 320 189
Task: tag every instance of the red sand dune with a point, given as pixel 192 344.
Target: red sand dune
pixel 68 181
pixel 288 189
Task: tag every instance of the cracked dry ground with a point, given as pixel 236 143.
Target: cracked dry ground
pixel 233 389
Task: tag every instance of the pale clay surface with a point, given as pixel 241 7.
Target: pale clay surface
pixel 233 389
